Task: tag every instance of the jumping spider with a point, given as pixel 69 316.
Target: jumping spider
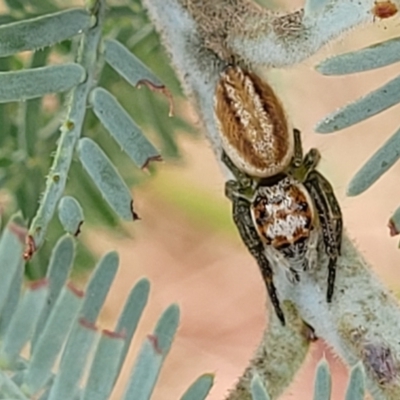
pixel 282 206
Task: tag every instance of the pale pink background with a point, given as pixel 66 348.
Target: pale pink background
pixel 211 275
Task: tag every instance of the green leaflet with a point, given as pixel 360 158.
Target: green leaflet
pixel 258 391
pixel 371 57
pixel 36 33
pixel 128 65
pixel 151 356
pixel 36 82
pixel 371 104
pixel 376 166
pixel 70 214
pixel 322 385
pixel 106 178
pixel 123 129
pixel 200 388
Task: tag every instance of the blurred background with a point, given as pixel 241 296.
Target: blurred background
pixel 185 242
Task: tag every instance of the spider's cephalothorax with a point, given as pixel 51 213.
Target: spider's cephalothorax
pixel 282 206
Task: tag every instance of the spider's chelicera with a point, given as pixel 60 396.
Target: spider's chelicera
pixel 285 208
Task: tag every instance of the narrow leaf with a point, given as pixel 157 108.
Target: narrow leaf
pixel 200 388
pixel 376 166
pixel 98 287
pixel 36 33
pixel 258 391
pixel 73 361
pixel 36 82
pixel 124 130
pixel 70 214
pixel 11 248
pixel 104 370
pixel 13 297
pixel 59 268
pixel 9 389
pixel 106 178
pixel 371 104
pixel 322 386
pixel 166 328
pixel 375 56
pixel 130 316
pixel 23 322
pixel 151 356
pixel 51 340
pixel 355 388
pixel 128 65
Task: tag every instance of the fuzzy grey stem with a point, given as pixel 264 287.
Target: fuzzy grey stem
pixel 363 320
pixel 70 131
pixel 279 355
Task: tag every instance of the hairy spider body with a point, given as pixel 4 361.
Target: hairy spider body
pixel 257 137
pixel 284 217
pixel 283 208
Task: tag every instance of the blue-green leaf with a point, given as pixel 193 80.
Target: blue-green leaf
pixel 151 356
pixel 124 130
pixel 36 33
pixel 70 214
pixel 51 340
pixel 104 370
pixel 128 65
pixel 58 270
pixel 106 178
pixel 258 391
pixel 371 104
pixel 10 389
pixel 200 388
pixel 98 287
pixel 376 166
pixel 11 248
pixel 73 361
pixel 130 316
pixel 375 56
pixel 322 386
pixel 23 322
pixel 356 386
pixel 36 82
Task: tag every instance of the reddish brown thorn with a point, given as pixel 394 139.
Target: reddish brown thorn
pixel 384 9
pixel 87 324
pixel 134 215
pixel 151 159
pixel 393 230
pixel 309 332
pixel 78 292
pixel 161 89
pixel 30 248
pixel 78 230
pixel 153 339
pixel 114 335
pixel 39 284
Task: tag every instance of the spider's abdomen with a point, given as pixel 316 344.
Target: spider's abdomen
pixel 283 215
pixel 252 124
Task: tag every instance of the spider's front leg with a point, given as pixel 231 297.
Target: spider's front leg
pixel 244 223
pixel 330 217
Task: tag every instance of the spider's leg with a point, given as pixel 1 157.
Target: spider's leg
pixel 298 149
pixel 249 235
pixel 330 217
